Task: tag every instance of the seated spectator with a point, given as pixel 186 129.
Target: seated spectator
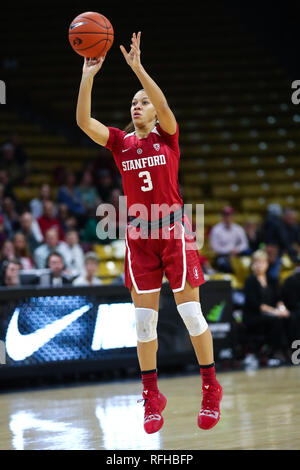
pixel 89 278
pixel 19 152
pixel 22 251
pixel 51 244
pixel 10 215
pixel 31 229
pixel 74 255
pixel 263 311
pixel 48 219
pixel 62 215
pixel 66 219
pixel 92 229
pixel 3 232
pixel 36 204
pixel 273 232
pixel 10 164
pixel 87 193
pixel 105 185
pixel 8 187
pixel 11 273
pixel 292 229
pixel 274 260
pixel 8 251
pixel 251 228
pixel 55 262
pixel 227 239
pixel 119 280
pixel 291 298
pixel 67 195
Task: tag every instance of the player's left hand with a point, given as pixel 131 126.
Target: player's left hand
pixel 133 58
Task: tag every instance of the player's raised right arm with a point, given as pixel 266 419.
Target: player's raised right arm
pixel 97 131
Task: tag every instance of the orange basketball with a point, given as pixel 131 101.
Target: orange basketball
pixel 91 34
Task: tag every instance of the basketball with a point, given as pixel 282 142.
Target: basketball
pixel 91 34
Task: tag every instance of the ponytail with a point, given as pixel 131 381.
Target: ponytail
pixel 129 128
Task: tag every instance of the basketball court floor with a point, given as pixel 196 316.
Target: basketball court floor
pixel 260 410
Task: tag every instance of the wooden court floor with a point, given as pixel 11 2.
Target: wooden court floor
pixel 260 410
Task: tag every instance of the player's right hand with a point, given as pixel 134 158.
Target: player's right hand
pixel 92 66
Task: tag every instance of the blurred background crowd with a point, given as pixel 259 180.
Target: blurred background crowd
pixel 52 240
pixel 239 137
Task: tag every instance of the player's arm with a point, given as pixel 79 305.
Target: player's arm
pixel 165 115
pixel 93 128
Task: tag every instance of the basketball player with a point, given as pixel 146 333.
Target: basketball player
pixel 148 160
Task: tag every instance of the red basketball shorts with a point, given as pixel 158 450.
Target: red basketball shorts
pixel 172 252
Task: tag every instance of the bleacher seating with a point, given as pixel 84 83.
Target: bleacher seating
pixel 239 136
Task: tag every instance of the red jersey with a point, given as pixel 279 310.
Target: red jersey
pixel 149 169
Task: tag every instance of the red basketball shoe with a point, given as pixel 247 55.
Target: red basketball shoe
pixel 209 414
pixel 154 403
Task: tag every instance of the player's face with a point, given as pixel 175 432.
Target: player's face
pixel 142 110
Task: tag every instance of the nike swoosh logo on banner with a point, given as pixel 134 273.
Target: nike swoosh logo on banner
pixel 19 346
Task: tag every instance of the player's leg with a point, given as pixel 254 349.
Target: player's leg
pixel 183 270
pixel 189 308
pixel 189 300
pixel 146 310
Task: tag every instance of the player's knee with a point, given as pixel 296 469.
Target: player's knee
pixel 146 324
pixel 193 318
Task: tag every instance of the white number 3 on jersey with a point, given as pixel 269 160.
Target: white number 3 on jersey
pixel 147 181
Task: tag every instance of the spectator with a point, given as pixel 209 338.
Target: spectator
pixel 11 217
pixel 3 232
pixel 227 239
pixel 67 221
pixel 51 244
pixel 292 229
pixel 251 228
pixel 89 278
pixel 105 185
pixel 274 260
pixel 8 251
pixel 118 281
pixel 19 152
pixel 91 230
pixel 36 204
pixel 63 215
pixel 55 262
pixel 8 188
pixel 22 251
pixel 10 164
pixel 11 273
pixel 263 312
pixel 67 195
pixel 87 193
pixel 291 298
pixel 74 256
pixel 273 231
pixel 31 229
pixel 48 219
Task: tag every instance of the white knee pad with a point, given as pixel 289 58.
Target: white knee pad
pixel 146 324
pixel 193 318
